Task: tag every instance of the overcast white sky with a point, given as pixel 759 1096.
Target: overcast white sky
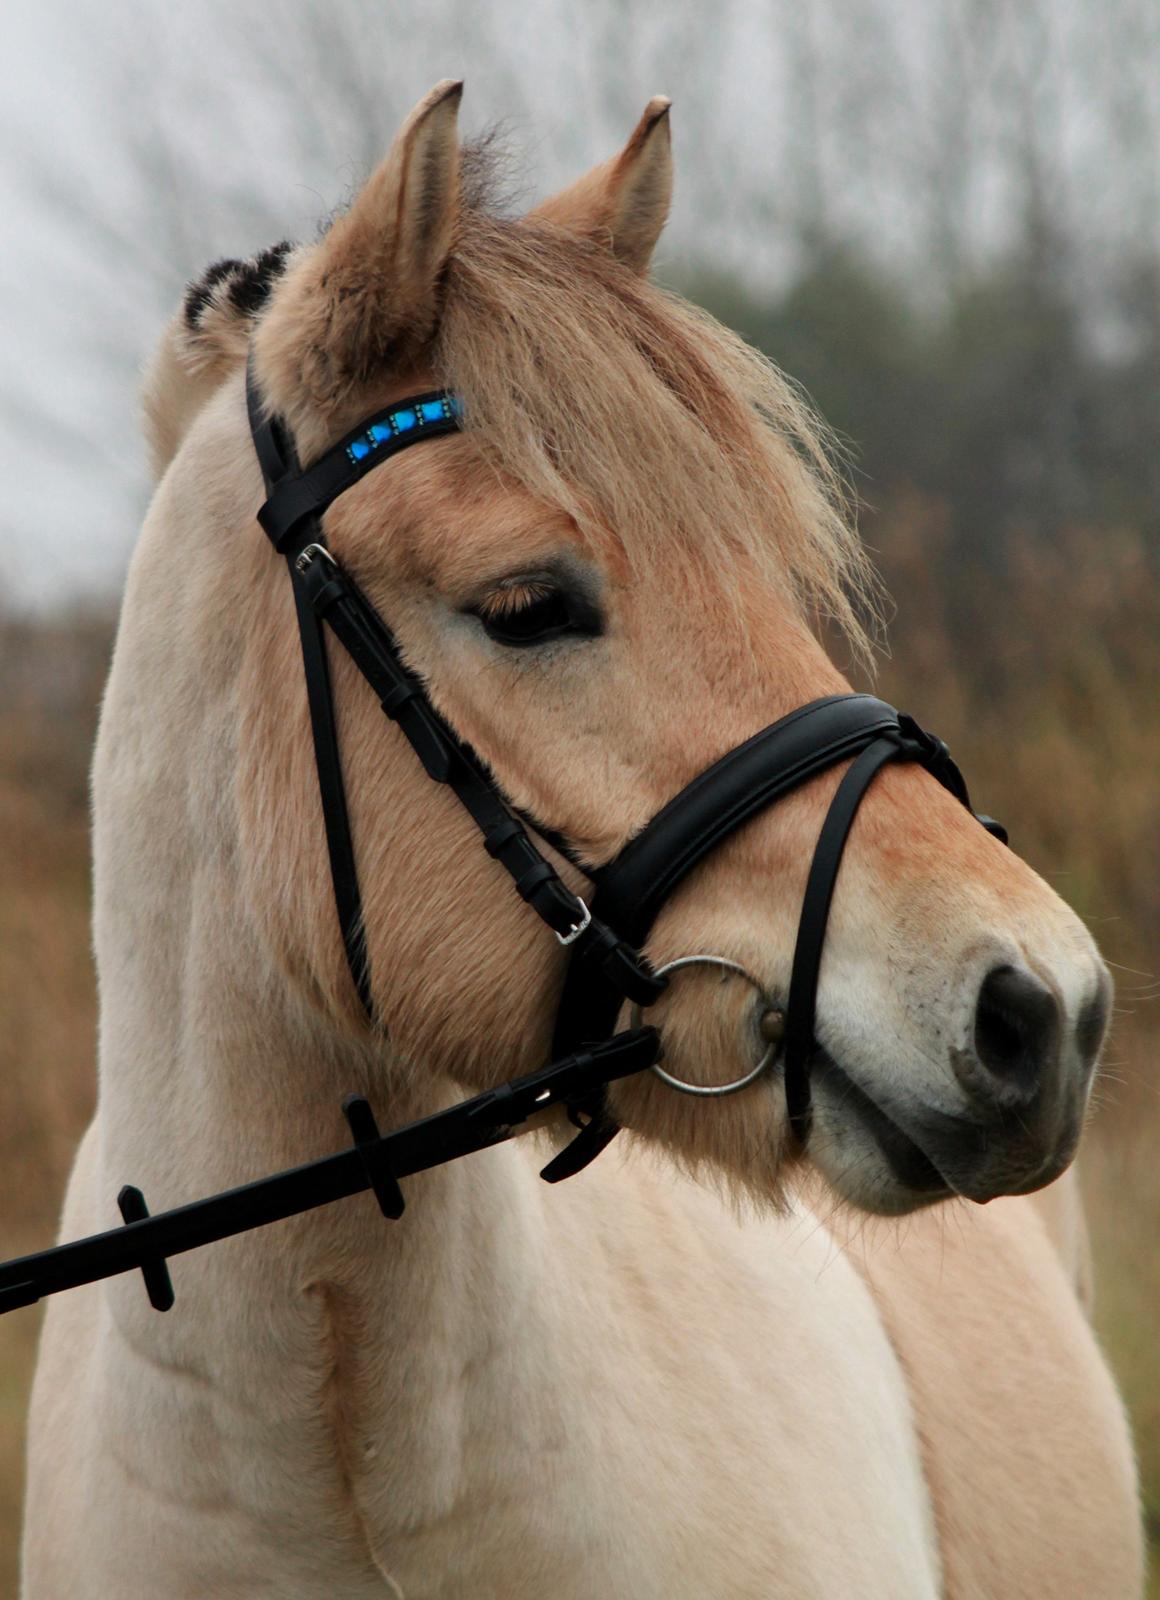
pixel 140 141
pixel 90 268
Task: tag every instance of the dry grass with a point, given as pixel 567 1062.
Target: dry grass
pixel 1046 711
pixel 52 680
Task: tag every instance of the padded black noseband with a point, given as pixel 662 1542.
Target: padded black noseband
pixel 633 887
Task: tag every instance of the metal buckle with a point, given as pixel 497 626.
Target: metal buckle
pixel 307 556
pixel 580 927
pixel 710 1090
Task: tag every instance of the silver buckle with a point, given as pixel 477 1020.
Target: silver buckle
pixel 574 933
pixel 307 556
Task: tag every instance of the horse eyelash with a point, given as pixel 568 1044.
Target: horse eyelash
pixel 506 600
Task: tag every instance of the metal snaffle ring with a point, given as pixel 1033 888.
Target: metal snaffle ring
pixel 710 1090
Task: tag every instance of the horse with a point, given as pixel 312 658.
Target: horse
pixel 698 1367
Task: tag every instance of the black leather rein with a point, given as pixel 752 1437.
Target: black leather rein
pixel 606 967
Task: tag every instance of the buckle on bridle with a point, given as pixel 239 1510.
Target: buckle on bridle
pixel 578 928
pixel 307 557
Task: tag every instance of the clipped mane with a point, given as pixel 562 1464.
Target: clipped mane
pixel 205 341
pixel 644 419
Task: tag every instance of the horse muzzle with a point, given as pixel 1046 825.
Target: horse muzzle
pixel 1022 1080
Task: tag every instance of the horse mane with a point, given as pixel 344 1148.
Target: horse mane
pixel 623 405
pixel 203 343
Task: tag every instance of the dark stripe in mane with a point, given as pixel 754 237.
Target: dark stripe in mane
pixel 245 284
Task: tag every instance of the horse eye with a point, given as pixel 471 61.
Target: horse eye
pixel 532 613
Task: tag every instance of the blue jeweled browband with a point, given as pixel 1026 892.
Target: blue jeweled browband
pixel 295 495
pixel 407 418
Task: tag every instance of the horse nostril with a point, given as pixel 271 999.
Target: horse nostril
pixel 1016 1032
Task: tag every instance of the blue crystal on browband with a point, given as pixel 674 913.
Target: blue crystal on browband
pixel 405 420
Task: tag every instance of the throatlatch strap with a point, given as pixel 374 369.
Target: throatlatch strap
pixel 278 460
pixel 335 815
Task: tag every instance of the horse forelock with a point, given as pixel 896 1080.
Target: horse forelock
pixel 644 419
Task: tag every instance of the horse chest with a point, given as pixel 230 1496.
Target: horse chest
pixel 720 1414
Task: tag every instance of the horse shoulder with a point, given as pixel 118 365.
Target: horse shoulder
pixel 1025 1443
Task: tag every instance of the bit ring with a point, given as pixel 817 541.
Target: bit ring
pixel 710 1090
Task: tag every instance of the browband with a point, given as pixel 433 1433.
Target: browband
pixel 296 495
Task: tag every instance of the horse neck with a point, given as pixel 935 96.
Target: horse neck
pixel 216 1066
pixel 212 1074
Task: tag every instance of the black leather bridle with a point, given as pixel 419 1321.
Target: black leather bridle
pixel 606 968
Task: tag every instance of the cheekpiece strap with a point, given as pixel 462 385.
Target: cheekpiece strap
pixel 325 594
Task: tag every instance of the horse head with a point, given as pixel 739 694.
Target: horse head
pixel 609 577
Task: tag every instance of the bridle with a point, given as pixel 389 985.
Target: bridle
pixel 606 968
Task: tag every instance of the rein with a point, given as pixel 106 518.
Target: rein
pixel 606 968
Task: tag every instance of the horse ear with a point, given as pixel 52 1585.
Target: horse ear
pixel 624 201
pixel 369 294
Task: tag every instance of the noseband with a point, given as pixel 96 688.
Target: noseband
pixel 604 936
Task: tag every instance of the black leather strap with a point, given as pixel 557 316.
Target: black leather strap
pixel 811 936
pixel 335 815
pixel 279 462
pixel 594 1137
pixel 372 1161
pixel 448 759
pixel 750 778
pixel 606 966
pixel 632 888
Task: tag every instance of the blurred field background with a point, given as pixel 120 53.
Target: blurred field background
pixel 943 220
